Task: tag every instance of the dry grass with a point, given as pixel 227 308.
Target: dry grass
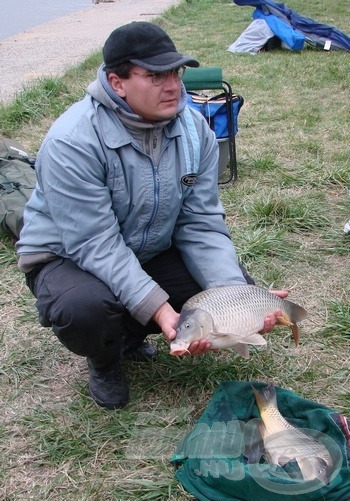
pixel 285 213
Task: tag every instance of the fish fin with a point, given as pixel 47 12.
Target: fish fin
pixel 255 339
pixel 221 334
pixel 266 396
pixel 284 319
pixel 242 349
pixel 260 401
pixel 296 312
pixel 269 393
pixel 283 460
pixel 295 333
pixel 314 467
pixel 253 441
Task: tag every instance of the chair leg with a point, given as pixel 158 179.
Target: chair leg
pixel 231 134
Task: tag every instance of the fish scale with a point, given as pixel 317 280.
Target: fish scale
pixel 284 442
pixel 228 301
pixel 231 316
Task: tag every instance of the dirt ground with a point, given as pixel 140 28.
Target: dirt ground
pixel 53 47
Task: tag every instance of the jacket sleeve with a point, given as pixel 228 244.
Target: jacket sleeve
pixel 73 181
pixel 201 233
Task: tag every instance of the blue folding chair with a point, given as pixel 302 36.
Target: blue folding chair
pixel 220 111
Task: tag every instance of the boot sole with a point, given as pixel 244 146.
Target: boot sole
pixel 108 405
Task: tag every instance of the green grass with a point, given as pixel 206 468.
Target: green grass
pixel 285 214
pixel 339 318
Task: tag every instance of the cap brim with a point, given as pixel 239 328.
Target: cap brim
pixel 165 62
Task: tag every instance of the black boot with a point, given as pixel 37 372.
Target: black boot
pixel 142 353
pixel 108 387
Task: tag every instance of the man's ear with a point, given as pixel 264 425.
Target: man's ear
pixel 117 84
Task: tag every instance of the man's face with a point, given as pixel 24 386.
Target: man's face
pixel 152 102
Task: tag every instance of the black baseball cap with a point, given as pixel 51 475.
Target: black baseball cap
pixel 144 44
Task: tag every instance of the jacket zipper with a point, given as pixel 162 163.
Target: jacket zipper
pixel 156 198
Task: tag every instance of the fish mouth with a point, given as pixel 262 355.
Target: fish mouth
pixel 177 350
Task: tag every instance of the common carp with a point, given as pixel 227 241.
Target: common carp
pixel 283 442
pixel 232 317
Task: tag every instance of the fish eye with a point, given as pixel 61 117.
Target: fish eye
pixel 187 325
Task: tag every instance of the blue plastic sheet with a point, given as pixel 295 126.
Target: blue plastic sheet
pixel 314 32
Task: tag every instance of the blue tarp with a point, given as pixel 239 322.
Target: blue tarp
pixel 291 37
pixel 314 32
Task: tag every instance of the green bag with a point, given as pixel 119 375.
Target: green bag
pixel 212 461
pixel 17 181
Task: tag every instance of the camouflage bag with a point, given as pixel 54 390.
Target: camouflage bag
pixel 17 181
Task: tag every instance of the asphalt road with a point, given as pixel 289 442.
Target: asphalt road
pixel 51 48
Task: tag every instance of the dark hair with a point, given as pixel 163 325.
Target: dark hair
pixel 122 70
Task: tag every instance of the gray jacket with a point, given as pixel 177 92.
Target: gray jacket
pixel 113 192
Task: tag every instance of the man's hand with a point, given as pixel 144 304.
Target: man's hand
pixel 199 347
pixel 270 320
pixel 167 319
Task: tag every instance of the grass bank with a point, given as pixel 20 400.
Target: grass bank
pixel 286 213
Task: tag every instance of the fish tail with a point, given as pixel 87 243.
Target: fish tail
pixel 294 313
pixel 265 397
pixel 295 332
pixel 284 319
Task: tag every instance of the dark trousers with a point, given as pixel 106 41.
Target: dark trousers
pixel 86 316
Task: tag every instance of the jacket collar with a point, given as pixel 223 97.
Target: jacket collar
pixel 117 119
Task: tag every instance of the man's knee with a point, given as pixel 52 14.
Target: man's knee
pixel 66 292
pixel 92 305
pixel 89 321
